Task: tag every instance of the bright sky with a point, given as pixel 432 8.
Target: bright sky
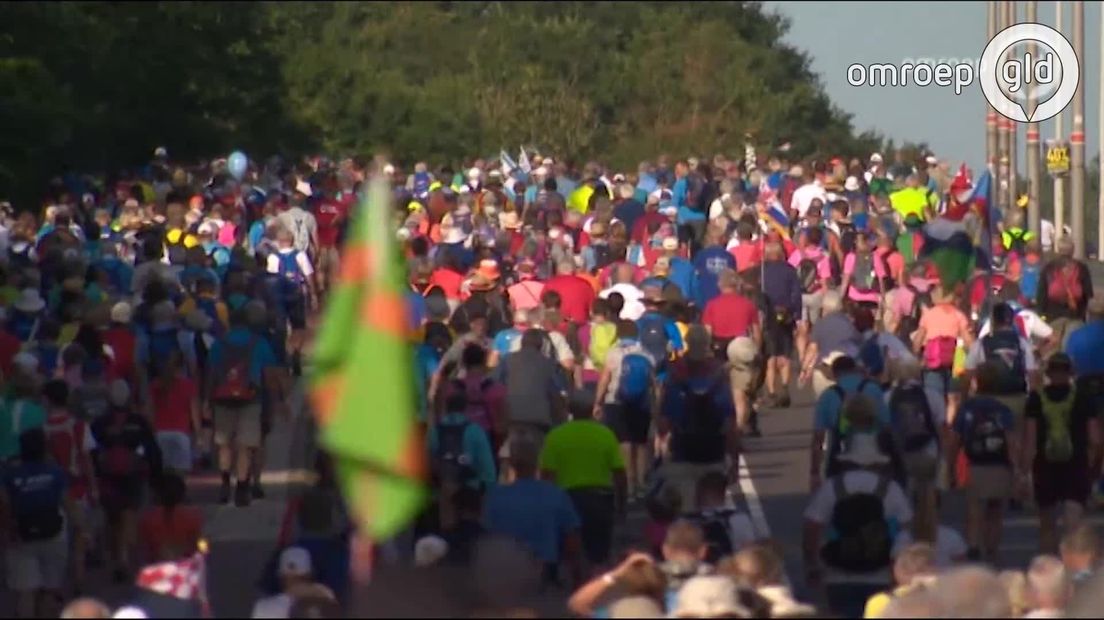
pixel 837 34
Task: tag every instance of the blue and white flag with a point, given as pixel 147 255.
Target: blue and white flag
pixel 523 162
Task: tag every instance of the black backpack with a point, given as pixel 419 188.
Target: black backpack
pixel 910 323
pixel 452 465
pixel 985 442
pixel 912 418
pixel 862 541
pixel 715 527
pixel 808 275
pixel 700 437
pixel 1004 346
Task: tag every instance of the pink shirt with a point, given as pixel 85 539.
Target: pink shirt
pixel 894 261
pixel 943 321
pixel 824 266
pixel 525 295
pixel 226 234
pixel 902 298
pixel 852 293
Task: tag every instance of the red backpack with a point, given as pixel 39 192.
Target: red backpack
pixel 64 440
pixel 233 382
pixel 1064 286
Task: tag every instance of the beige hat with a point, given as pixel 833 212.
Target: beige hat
pixel 709 596
pixel 670 244
pixel 295 561
pixel 122 312
pixel 742 350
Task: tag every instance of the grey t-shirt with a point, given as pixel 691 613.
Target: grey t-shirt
pixel 532 381
pixel 835 332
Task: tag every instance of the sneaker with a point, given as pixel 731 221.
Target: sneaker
pixel 241 495
pixel 224 493
pixel 256 490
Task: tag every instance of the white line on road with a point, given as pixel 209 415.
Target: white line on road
pixel 755 508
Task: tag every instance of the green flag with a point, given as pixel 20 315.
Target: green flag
pixel 361 385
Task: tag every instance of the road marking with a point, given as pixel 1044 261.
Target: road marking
pixel 755 509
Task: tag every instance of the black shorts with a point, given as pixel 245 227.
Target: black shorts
pixel 779 340
pixel 295 310
pixel 629 424
pixel 1061 482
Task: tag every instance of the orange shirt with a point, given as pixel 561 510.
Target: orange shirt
pixel 943 321
pixel 448 280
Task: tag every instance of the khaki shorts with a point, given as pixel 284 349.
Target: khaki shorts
pixel 742 376
pixel 327 262
pixel 811 306
pixel 1063 328
pixel 989 482
pixel 238 425
pixel 38 565
pixel 683 477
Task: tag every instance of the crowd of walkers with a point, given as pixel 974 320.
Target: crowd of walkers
pixel 592 352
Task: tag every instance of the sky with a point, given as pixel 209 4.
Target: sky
pixel 836 34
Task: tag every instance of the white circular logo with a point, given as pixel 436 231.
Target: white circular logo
pixel 1054 72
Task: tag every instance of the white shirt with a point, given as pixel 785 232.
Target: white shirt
pixel 634 304
pixel 559 345
pixel 278 606
pixel 1037 329
pixel 301 224
pixel 949 546
pixel 976 355
pixel 273 265
pixel 613 365
pixel 803 197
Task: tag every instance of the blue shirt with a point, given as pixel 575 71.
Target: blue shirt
pixel 709 263
pixel 536 513
pixel 829 406
pixel 262 358
pixel 628 212
pixel 679 191
pixel 684 276
pixel 1084 346
pixel 425 364
pixel 416 311
pixel 476 446
pixel 34 488
pixel 504 342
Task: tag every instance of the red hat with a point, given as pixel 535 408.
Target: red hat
pixel 961 181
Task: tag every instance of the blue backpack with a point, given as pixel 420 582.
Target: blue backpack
pixel 635 385
pixel 653 337
pixel 162 343
pixel 290 275
pixel 421 185
pixel 1029 280
pixel 210 308
pixel 871 356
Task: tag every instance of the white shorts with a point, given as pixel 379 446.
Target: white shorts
pixel 38 565
pixel 176 450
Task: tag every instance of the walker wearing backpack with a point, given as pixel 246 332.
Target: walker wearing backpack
pixel 653 337
pixel 913 419
pixel 475 392
pixel 634 386
pixel 808 275
pixel 985 441
pixel 451 465
pixel 1058 445
pixel 602 338
pixel 161 344
pixel 292 281
pixel 908 324
pixel 1064 286
pixel 700 436
pixel 860 541
pixel 231 380
pixel 1004 346
pixel 864 278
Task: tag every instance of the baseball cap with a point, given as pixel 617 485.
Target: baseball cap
pixel 295 561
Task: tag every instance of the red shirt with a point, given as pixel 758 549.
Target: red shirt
pixel 730 316
pixel 576 295
pixel 640 227
pixel 448 280
pixel 122 343
pixel 748 254
pixel 173 406
pixel 328 216
pixel 170 536
pixel 65 437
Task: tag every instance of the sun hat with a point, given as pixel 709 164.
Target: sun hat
pixel 295 561
pixel 129 611
pixel 709 596
pixel 876 158
pixel 851 184
pixel 29 301
pixel 474 173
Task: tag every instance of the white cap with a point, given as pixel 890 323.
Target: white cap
pixel 122 312
pixel 388 169
pixel 876 158
pixel 129 612
pixel 160 152
pixel 541 171
pixel 206 228
pixel 474 173
pixel 429 550
pixel 851 184
pixel 931 160
pixel 304 188
pixel 295 561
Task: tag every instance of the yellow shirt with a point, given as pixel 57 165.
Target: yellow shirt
pixel 913 201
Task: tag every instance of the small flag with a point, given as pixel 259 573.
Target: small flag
pixel 508 165
pixel 523 162
pixel 184 579
pixel 362 388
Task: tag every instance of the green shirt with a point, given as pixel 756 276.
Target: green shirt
pixel 582 453
pixel 30 415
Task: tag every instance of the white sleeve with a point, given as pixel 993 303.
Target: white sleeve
pixel 304 264
pixel 1030 363
pixel 273 265
pixel 984 329
pixel 1037 327
pixel 89 440
pixel 563 350
pixel 820 509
